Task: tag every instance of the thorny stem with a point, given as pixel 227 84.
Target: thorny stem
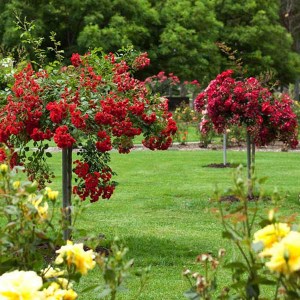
pixel 244 255
pixel 253 218
pixel 277 287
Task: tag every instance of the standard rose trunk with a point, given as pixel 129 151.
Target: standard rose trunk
pixel 67 191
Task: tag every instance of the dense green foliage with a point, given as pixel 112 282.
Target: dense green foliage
pixel 180 36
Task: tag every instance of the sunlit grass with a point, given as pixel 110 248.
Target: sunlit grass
pixel 161 210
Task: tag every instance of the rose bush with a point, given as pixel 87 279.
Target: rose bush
pixel 185 117
pixel 29 238
pixel 28 230
pixel 227 101
pixel 266 257
pixel 95 104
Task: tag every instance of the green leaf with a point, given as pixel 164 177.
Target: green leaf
pixel 230 234
pixel 265 281
pixel 76 277
pixel 264 223
pixel 11 224
pixel 236 265
pixel 90 288
pixel 262 180
pixel 32 187
pixel 8 265
pixel 48 154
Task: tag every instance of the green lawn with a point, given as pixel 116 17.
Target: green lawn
pixel 161 210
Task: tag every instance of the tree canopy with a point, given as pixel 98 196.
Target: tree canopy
pixel 180 36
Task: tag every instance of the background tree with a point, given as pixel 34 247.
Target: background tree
pixel 253 28
pixel 127 23
pixel 187 38
pixel 290 16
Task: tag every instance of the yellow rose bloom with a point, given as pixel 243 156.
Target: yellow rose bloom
pixel 51 273
pixel 19 285
pixel 285 255
pixel 75 255
pixel 42 210
pixel 271 234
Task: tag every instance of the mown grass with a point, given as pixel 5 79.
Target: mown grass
pixel 161 210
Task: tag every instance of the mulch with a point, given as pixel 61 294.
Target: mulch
pixel 221 165
pixel 232 199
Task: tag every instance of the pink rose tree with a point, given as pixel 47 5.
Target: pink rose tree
pixel 94 104
pixel 169 84
pixel 266 117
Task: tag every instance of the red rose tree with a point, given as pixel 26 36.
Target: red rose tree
pixel 266 117
pixel 95 104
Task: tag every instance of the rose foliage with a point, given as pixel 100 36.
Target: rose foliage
pixel 96 104
pixel 227 101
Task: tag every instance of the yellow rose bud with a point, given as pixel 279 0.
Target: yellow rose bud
pixel 3 168
pixel 119 255
pixel 271 215
pixel 16 184
pixel 52 195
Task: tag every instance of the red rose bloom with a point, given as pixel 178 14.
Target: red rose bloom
pixel 76 60
pixel 62 137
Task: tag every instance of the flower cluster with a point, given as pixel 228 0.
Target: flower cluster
pixel 75 255
pixel 141 62
pixel 53 283
pixel 203 284
pixel 282 246
pixel 226 102
pixel 94 184
pixel 96 100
